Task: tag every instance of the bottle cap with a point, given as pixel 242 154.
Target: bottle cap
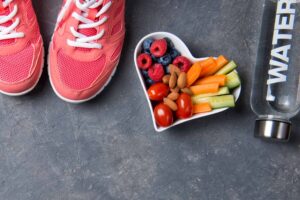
pixel 273 129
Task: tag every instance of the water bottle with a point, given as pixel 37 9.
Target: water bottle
pixel 275 96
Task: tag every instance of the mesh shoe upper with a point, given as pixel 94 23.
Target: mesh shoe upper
pixel 16 67
pixel 78 73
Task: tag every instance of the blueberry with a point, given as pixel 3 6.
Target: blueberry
pixel 154 59
pixel 145 74
pixel 174 53
pixel 149 82
pixel 167 69
pixel 146 51
pixel 170 43
pixel 165 60
pixel 147 44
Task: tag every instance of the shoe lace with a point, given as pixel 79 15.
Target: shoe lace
pixel 81 40
pixel 8 32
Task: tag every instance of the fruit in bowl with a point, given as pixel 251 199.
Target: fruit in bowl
pixel 180 87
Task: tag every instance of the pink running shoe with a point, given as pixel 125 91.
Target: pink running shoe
pixel 86 47
pixel 21 48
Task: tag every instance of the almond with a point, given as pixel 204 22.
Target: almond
pixel 173 80
pixel 174 68
pixel 166 79
pixel 173 96
pixel 171 104
pixel 187 91
pixel 181 81
pixel 175 89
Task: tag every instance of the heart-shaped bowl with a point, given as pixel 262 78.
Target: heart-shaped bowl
pixel 183 49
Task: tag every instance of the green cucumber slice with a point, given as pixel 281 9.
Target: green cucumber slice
pixel 217 102
pixel 233 80
pixel 222 101
pixel 200 100
pixel 227 68
pixel 222 91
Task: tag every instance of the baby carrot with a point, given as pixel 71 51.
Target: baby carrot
pixel 220 62
pixel 205 88
pixel 193 73
pixel 208 62
pixel 202 108
pixel 221 79
pixel 207 65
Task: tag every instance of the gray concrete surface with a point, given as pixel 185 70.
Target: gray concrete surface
pixel 107 149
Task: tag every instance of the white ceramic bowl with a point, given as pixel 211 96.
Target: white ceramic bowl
pixel 183 49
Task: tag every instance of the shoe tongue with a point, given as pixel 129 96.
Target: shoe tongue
pixel 5 12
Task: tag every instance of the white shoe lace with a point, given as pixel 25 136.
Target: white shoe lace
pixel 8 32
pixel 82 40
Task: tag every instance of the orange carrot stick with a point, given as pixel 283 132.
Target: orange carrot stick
pixel 202 108
pixel 207 65
pixel 221 79
pixel 205 88
pixel 220 62
pixel 208 62
pixel 193 73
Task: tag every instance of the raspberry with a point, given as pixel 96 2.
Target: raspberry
pixel 183 63
pixel 159 48
pixel 144 61
pixel 156 72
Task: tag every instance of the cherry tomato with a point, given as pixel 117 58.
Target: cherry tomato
pixel 158 92
pixel 185 106
pixel 163 115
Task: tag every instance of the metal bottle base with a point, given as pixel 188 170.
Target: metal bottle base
pixel 273 129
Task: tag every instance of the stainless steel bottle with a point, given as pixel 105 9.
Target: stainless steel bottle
pixel 275 96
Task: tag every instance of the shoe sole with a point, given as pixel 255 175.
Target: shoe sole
pixel 83 100
pixel 35 84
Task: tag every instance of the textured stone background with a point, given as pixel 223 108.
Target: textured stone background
pixel 107 149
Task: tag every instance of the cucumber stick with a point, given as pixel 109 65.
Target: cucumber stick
pixel 222 101
pixel 222 91
pixel 227 68
pixel 233 80
pixel 218 102
pixel 200 100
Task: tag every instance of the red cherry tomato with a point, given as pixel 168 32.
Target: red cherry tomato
pixel 158 92
pixel 185 106
pixel 163 115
